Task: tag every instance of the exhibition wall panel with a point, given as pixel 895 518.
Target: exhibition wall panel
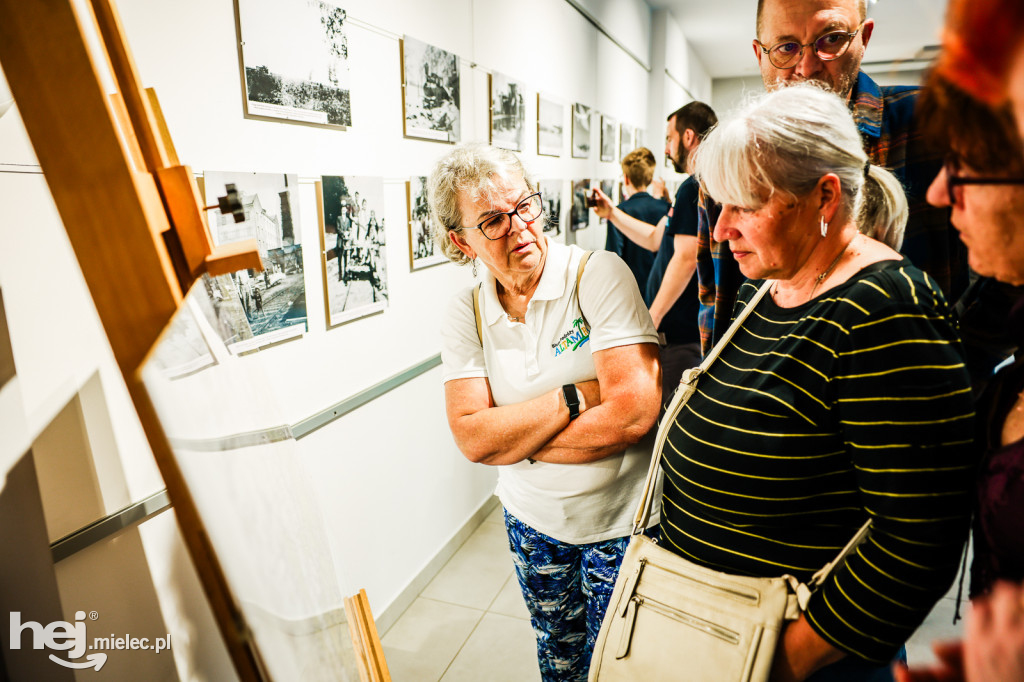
pixel 393 487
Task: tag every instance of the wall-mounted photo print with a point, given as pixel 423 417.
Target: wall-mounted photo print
pixel 430 91
pixel 550 127
pixel 295 59
pixel 580 131
pixel 423 252
pixel 580 218
pixel 625 140
pixel 609 188
pixel 274 300
pixel 352 246
pixel 551 194
pixel 639 138
pixel 508 113
pixel 607 138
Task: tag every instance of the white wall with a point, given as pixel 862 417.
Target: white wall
pixel 390 480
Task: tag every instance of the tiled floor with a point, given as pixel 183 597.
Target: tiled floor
pixel 470 624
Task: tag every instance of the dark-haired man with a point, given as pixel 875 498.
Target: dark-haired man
pixel 671 292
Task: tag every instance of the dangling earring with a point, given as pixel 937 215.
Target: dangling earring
pixel 474 268
pixel 824 226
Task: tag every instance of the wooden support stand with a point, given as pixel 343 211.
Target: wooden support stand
pixel 134 217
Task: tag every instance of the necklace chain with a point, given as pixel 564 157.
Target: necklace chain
pixel 828 271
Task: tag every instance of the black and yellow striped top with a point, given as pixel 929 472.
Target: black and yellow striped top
pixel 855 403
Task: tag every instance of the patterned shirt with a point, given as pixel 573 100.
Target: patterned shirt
pixel 885 118
pixel 853 405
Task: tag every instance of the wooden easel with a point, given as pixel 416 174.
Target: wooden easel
pixel 135 219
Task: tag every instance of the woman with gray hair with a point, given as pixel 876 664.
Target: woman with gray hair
pixel 843 397
pixel 551 374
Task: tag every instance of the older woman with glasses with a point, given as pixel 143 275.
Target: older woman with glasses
pixel 842 397
pixel 551 375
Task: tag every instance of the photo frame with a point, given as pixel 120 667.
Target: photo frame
pixel 551 195
pixel 507 112
pixel 608 128
pixel 423 252
pixel 609 187
pixel 307 85
pixel 625 140
pixel 431 108
pixel 550 127
pixel 273 302
pixel 352 247
pixel 580 131
pixel 580 218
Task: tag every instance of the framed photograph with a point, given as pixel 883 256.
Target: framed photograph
pixel 580 218
pixel 639 138
pixel 608 138
pixel 430 92
pixel 273 301
pixel 580 131
pixel 610 188
pixel 508 113
pixel 295 61
pixel 352 246
pixel 551 194
pixel 423 252
pixel 625 140
pixel 550 127
pixel 182 350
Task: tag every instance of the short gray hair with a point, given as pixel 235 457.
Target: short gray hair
pixel 469 168
pixel 784 142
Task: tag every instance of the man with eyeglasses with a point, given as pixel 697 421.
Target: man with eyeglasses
pixel 825 41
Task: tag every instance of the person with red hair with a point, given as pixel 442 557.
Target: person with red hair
pixel 970 101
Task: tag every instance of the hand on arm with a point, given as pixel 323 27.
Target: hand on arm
pixel 643 234
pixel 677 275
pixel 628 400
pixel 493 435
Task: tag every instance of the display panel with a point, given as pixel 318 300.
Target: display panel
pixel 430 92
pixel 353 246
pixel 295 61
pixel 273 302
pixel 508 113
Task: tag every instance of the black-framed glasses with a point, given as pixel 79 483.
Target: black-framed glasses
pixel 498 225
pixel 951 167
pixel 832 45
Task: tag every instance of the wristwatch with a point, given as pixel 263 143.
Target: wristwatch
pixel 572 400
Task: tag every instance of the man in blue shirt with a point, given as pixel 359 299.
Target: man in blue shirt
pixel 671 291
pixel 637 173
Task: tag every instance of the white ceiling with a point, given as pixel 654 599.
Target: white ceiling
pixel 721 31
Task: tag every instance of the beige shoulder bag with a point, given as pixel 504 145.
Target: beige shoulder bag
pixel 670 619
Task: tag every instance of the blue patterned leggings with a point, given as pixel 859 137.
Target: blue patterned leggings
pixel 567 588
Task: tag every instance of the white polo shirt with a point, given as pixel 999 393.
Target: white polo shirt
pixel 573 503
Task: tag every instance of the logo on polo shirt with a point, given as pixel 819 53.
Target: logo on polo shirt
pixel 574 338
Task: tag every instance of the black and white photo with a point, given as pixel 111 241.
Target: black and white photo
pixel 295 60
pixel 609 188
pixel 550 127
pixel 508 113
pixel 430 91
pixel 607 138
pixel 182 350
pixel 639 138
pixel 423 252
pixel 551 196
pixel 352 243
pixel 580 218
pixel 580 131
pixel 625 140
pixel 274 300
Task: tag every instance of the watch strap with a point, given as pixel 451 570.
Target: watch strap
pixel 572 400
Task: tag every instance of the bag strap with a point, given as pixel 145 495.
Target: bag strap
pixel 479 287
pixel 690 376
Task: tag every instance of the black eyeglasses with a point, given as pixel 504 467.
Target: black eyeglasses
pixel 832 45
pixel 496 226
pixel 953 179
